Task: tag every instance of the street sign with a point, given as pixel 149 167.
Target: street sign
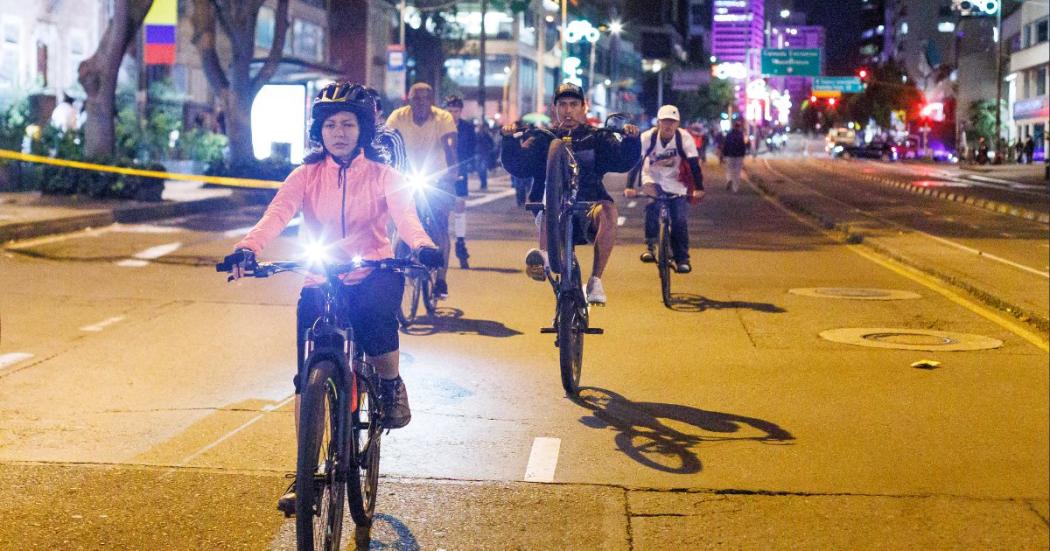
pixel 802 62
pixel 394 84
pixel 846 85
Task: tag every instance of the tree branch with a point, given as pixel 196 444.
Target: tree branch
pixel 204 40
pixel 273 60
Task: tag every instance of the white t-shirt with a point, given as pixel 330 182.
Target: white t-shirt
pixel 660 166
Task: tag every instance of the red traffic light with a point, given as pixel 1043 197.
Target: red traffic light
pixel 831 102
pixel 863 73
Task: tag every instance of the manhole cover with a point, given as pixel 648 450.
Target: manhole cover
pixel 910 339
pixel 854 293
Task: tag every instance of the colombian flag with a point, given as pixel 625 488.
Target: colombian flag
pixel 160 32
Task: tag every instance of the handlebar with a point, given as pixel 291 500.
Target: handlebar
pixel 530 132
pixel 266 269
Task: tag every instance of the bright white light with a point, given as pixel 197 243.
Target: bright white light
pixel 713 59
pixel 289 101
pixel 417 181
pixel 946 26
pixel 784 14
pixel 904 28
pixel 616 27
pixel 315 253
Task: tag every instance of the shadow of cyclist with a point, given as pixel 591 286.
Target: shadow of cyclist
pixel 664 436
pixel 685 302
pixel 451 320
pixel 384 524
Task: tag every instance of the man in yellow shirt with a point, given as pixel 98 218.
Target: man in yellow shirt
pixel 430 145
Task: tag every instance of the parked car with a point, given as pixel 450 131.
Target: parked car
pixel 886 151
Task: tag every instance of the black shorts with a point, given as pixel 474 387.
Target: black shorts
pixel 370 307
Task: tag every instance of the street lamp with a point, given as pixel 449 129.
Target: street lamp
pixel 784 14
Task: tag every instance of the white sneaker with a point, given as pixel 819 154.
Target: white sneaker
pixel 595 291
pixel 537 264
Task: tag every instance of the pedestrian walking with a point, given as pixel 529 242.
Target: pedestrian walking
pixel 1029 150
pixel 486 145
pixel 734 149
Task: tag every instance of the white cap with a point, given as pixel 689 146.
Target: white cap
pixel 668 112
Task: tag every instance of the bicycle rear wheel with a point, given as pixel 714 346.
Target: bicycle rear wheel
pixel 571 325
pixel 664 259
pixel 318 488
pixel 365 433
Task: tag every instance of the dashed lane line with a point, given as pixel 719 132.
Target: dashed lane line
pixel 490 197
pixel 142 258
pixel 96 327
pixel 621 220
pixel 12 358
pixel 543 459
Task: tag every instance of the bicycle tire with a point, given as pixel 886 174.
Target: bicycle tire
pixel 552 204
pixel 664 262
pixel 365 436
pixel 430 300
pixel 570 345
pixel 320 495
pixel 409 311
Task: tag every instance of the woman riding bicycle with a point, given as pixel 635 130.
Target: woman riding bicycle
pixel 346 195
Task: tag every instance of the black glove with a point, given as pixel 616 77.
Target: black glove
pixel 242 259
pixel 431 257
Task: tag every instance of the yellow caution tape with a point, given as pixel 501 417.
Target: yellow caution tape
pixel 218 180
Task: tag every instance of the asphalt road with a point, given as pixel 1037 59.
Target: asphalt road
pixel 145 402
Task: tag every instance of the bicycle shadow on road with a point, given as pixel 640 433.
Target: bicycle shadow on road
pixel 686 302
pixel 383 526
pixel 496 270
pixel 451 320
pixel 665 437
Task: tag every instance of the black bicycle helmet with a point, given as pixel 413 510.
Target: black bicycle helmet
pixel 454 101
pixel 344 96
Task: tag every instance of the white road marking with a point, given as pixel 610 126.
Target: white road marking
pixel 620 220
pixel 142 258
pixel 143 228
pixel 543 460
pixel 12 358
pixel 632 204
pixel 490 197
pixel 186 460
pixel 46 240
pixel 237 232
pixel 95 328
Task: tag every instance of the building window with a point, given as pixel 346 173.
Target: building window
pixel 527 31
pixel 309 41
pixel 465 71
pixel 527 84
pixel 1042 31
pixel 1040 81
pixel 264 27
pixel 498 25
pixel 10 58
pixel 77 52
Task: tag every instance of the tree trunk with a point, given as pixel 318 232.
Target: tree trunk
pixel 98 76
pixel 233 83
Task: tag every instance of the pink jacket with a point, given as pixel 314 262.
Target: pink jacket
pixel 361 202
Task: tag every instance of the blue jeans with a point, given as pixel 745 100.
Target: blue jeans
pixel 679 207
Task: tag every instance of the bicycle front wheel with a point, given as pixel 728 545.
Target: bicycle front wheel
pixel 319 491
pixel 665 257
pixel 409 311
pixel 430 300
pixel 365 432
pixel 571 325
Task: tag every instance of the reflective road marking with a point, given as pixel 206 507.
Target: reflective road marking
pixel 95 328
pixel 12 358
pixel 142 258
pixel 543 460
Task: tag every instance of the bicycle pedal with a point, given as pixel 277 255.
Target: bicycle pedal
pixel 548 330
pixel 594 331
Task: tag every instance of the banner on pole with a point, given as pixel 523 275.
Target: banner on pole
pixel 159 28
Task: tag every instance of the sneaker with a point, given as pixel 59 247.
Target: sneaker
pixel 683 268
pixel 536 264
pixel 286 503
pixel 396 413
pixel 462 254
pixel 441 289
pixel 648 256
pixel 595 291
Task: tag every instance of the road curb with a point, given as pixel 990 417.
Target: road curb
pixel 987 204
pixel 853 236
pixel 123 214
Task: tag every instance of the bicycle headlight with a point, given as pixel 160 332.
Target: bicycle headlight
pixel 417 181
pixel 316 253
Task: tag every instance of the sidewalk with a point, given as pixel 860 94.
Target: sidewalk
pixel 28 214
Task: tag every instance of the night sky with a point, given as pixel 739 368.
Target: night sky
pixel 841 21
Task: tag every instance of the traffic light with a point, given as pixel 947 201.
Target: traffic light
pixel 863 74
pixel 831 102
